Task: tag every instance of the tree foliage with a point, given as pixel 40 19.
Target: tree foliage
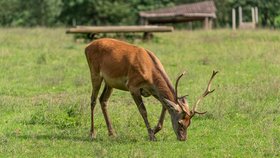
pixel 116 12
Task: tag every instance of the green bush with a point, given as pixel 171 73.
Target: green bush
pixel 277 21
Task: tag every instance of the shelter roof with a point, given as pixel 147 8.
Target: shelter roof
pixel 199 9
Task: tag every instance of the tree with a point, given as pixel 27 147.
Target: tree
pixel 116 12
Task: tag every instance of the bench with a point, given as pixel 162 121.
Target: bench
pixel 91 31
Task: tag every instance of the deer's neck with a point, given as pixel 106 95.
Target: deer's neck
pixel 161 81
pixel 164 87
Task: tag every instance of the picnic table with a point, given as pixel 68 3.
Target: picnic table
pixel 147 30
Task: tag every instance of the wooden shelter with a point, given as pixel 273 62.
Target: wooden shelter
pixel 200 11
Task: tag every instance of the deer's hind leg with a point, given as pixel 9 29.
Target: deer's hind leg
pixel 103 102
pixel 96 83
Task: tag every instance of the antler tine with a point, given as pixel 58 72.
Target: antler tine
pixel 206 92
pixel 176 84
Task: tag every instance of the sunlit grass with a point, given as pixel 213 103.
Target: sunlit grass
pixel 45 94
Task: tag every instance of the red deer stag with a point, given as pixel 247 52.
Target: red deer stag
pixel 127 67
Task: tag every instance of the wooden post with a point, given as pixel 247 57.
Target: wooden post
pixel 74 23
pixel 147 36
pixel 190 25
pixel 233 19
pixel 210 23
pixel 253 17
pixel 144 21
pixel 240 15
pixel 206 23
pixel 256 15
pixel 91 36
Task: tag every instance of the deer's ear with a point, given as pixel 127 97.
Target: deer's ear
pixel 171 105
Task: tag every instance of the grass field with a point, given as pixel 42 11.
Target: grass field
pixel 45 94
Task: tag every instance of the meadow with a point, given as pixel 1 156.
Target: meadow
pixel 45 97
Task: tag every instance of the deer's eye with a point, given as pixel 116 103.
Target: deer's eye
pixel 182 123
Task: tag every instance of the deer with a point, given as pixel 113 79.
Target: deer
pixel 127 67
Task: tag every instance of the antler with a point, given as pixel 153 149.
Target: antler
pixel 176 92
pixel 206 92
pixel 176 85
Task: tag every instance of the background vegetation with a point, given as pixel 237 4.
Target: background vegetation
pixel 118 12
pixel 45 94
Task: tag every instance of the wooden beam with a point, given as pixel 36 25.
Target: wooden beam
pixel 118 29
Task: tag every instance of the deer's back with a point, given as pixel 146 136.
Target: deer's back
pixel 117 61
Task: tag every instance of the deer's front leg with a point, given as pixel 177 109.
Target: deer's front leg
pixel 142 109
pixel 160 121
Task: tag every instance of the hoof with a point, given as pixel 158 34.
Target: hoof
pixel 92 135
pixel 112 134
pixel 153 138
pixel 156 129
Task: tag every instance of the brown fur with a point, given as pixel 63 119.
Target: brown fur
pixel 127 67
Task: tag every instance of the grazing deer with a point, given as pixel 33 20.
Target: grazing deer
pixel 127 67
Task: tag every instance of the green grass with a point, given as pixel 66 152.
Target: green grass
pixel 45 94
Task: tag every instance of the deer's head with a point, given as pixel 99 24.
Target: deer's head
pixel 180 112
